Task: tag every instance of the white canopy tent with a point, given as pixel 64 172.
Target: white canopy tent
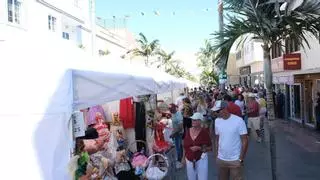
pixel 42 82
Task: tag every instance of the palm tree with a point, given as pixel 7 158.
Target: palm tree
pixel 209 78
pixel 205 60
pixel 269 21
pixel 206 55
pixel 146 49
pixel 165 60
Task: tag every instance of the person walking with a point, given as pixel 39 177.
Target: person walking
pixel 177 125
pixel 187 112
pixel 253 111
pixel 196 144
pixel 231 142
pixel 232 107
pixel 263 111
pixel 240 103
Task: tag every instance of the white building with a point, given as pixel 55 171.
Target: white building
pixel 249 61
pixel 67 19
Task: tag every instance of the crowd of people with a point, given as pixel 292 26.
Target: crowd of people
pixel 205 120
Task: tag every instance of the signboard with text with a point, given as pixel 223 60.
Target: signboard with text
pixel 292 61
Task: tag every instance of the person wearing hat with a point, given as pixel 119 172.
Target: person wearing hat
pixel 231 142
pixel 253 111
pixel 197 143
pixel 176 135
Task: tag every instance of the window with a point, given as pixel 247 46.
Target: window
pixel 292 45
pixel 276 50
pixel 52 22
pixel 14 11
pixel 65 35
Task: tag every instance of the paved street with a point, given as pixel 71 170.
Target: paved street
pixel 297 155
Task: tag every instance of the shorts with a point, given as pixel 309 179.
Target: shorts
pixel 254 123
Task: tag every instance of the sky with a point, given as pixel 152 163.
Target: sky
pixel 183 32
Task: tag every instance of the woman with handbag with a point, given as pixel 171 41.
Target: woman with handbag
pixel 197 143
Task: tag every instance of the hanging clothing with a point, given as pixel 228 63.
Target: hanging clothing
pixel 140 125
pixel 126 113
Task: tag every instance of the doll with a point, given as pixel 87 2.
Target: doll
pixel 160 145
pixel 115 119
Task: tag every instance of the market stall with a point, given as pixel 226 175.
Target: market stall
pixel 43 83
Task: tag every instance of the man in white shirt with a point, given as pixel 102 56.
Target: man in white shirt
pixel 231 142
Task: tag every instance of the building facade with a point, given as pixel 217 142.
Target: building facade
pixel 249 62
pixel 232 71
pixel 68 19
pixel 296 72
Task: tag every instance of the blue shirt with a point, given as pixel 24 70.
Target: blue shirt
pixel 177 120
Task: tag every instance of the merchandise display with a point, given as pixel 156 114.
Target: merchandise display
pixel 105 153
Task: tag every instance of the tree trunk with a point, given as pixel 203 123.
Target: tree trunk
pixel 268 81
pixel 270 108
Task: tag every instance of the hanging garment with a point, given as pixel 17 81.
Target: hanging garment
pixel 127 113
pixel 140 125
pixel 91 114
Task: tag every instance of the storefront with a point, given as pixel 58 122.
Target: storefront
pixel 309 86
pixel 257 79
pixel 245 78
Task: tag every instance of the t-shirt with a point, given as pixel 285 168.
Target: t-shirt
pixel 253 109
pixel 234 109
pixel 229 132
pixel 262 102
pixel 241 105
pixel 177 120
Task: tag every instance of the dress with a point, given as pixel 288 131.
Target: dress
pixel 160 145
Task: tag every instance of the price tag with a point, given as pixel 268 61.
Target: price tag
pixel 78 124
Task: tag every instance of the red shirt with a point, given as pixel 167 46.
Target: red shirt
pixel 234 109
pixel 202 139
pixel 253 109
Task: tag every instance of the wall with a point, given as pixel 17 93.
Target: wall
pixel 232 71
pixel 310 57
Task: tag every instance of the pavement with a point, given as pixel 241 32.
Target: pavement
pixel 296 155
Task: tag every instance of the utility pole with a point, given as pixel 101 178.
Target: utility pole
pixel 93 27
pixel 222 75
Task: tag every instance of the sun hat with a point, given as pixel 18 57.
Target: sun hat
pixel 197 116
pixel 219 105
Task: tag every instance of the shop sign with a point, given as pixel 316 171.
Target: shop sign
pixel 292 61
pixel 78 124
pixel 245 70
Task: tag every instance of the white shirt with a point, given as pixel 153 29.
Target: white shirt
pixel 229 132
pixel 240 104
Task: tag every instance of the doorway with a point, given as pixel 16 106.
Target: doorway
pixel 309 118
pixel 295 102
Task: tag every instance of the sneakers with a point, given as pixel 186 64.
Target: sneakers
pixel 179 165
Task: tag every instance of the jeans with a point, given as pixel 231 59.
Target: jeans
pixel 200 170
pixel 178 144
